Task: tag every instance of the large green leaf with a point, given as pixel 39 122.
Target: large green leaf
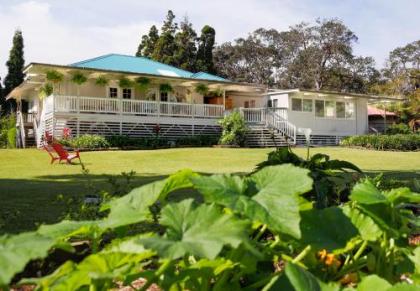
pixel 232 192
pixel 201 231
pixel 269 196
pixel 16 251
pixel 366 193
pixel 373 282
pixel 278 189
pixel 328 229
pixel 134 207
pixel 366 226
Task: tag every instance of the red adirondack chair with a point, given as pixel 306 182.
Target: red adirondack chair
pixel 51 152
pixel 64 155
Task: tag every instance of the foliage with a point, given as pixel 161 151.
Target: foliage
pixel 54 76
pixel 398 142
pixel 125 82
pixel 207 40
pixel 399 128
pixel 148 43
pixel 101 81
pixel 165 46
pixel 186 49
pixel 142 83
pixel 255 233
pixel 15 74
pixel 202 89
pixel 46 90
pixel 78 78
pixel 234 129
pixel 165 88
pixel 312 56
pixel 86 141
pixel 8 131
pixel 178 45
pixel 332 181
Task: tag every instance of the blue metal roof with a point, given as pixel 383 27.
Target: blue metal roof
pixel 141 65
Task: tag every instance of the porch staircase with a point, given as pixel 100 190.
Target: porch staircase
pixel 260 135
pixel 268 128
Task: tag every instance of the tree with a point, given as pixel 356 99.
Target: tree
pixel 165 46
pixel 148 43
pixel 247 60
pixel 15 66
pixel 186 49
pixel 205 50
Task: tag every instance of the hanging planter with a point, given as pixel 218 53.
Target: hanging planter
pixel 125 83
pixel 78 78
pixel 165 88
pixel 55 77
pixel 216 93
pixel 45 91
pixel 101 81
pixel 142 83
pixel 202 89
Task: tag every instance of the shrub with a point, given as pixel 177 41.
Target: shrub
pixel 400 128
pixel 8 131
pixel 87 141
pixel 399 142
pixel 197 141
pixel 234 129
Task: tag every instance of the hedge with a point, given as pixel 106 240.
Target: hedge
pixel 398 142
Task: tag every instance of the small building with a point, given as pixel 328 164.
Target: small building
pixel 380 120
pixel 127 95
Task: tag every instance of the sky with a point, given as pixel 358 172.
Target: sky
pixel 63 32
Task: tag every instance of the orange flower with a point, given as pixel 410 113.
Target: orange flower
pixel 322 254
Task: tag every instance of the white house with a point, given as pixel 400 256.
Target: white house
pixel 126 95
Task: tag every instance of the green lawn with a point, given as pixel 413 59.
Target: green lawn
pixel 29 185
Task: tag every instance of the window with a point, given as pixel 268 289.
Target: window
pixel 307 105
pixel 113 92
pixel 319 108
pixel 296 104
pixel 164 96
pixel 246 104
pixel 340 109
pixel 329 109
pixel 275 103
pixel 304 105
pixel 270 103
pixel 349 109
pixel 126 93
pixel 252 104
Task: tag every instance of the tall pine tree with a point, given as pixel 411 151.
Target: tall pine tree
pixel 165 47
pixel 205 50
pixel 186 49
pixel 15 66
pixel 148 43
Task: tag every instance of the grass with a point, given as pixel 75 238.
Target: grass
pixel 29 185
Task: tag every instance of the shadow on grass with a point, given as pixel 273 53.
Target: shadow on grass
pixel 26 203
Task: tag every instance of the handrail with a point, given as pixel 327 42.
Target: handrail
pixel 275 118
pixel 21 129
pixel 83 104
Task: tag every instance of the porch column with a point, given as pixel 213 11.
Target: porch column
pixel 224 100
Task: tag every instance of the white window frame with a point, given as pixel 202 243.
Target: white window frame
pixel 108 92
pixel 335 109
pixel 301 104
pixel 131 94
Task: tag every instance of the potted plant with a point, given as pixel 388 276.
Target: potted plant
pixel 142 83
pixel 202 89
pixel 165 88
pixel 78 78
pixel 45 90
pixel 125 83
pixel 55 77
pixel 101 81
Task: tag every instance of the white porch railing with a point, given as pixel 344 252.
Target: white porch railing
pixel 81 104
pixel 275 118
